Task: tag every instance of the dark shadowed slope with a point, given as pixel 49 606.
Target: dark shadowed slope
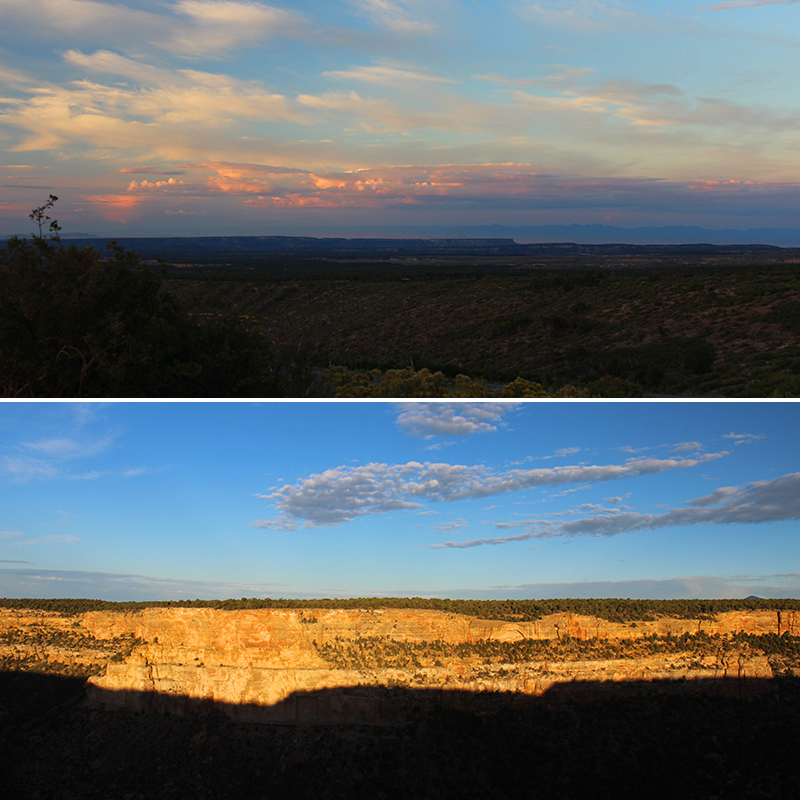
pixel 627 740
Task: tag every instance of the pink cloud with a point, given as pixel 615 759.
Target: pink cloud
pixel 495 186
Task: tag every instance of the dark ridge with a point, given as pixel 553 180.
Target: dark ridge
pixel 218 247
pixel 580 742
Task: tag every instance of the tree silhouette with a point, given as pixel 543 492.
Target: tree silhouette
pixel 76 324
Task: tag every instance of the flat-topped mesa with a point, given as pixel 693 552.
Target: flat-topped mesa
pixel 285 665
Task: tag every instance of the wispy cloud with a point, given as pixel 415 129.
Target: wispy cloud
pixel 54 456
pixel 581 16
pixel 387 73
pixel 402 16
pixel 561 74
pixel 25 468
pixel 187 28
pixel 346 493
pixel 684 587
pixel 758 502
pixel 729 6
pixel 84 18
pixel 743 438
pixel 219 26
pixel 452 526
pixel 53 539
pixel 563 452
pixel 69 448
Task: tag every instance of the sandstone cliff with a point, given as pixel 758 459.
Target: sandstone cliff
pixel 288 665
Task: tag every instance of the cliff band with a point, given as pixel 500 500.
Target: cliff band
pixel 285 666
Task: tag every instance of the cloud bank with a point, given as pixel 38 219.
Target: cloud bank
pixel 124 586
pixel 757 502
pixel 346 493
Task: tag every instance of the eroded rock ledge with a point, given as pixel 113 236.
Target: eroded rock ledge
pixel 274 665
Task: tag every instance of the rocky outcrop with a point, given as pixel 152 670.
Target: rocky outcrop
pixel 270 665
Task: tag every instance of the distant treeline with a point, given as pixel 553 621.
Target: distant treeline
pixel 612 609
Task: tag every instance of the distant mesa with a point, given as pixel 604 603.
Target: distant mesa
pixel 217 247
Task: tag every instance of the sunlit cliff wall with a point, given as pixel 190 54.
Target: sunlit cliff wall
pixel 266 665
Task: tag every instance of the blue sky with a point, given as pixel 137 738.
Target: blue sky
pixel 197 117
pixel 486 500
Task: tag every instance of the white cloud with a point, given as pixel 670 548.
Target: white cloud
pixel 451 419
pixel 346 493
pixel 758 502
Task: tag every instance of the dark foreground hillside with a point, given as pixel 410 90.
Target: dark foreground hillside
pixel 615 327
pixel 625 741
pixel 78 322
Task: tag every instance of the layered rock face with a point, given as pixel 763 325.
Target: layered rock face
pixel 275 665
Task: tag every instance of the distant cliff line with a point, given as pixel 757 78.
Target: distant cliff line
pixel 611 609
pixel 181 248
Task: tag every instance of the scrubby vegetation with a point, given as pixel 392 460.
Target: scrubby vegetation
pixel 48 651
pixel 378 652
pixel 77 323
pixel 627 329
pixel 74 323
pixel 612 609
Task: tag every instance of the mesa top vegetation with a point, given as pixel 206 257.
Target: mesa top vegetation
pixel 611 609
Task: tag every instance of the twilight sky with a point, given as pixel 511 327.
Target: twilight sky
pixel 478 499
pixel 193 117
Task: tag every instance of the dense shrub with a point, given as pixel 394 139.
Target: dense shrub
pixel 76 324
